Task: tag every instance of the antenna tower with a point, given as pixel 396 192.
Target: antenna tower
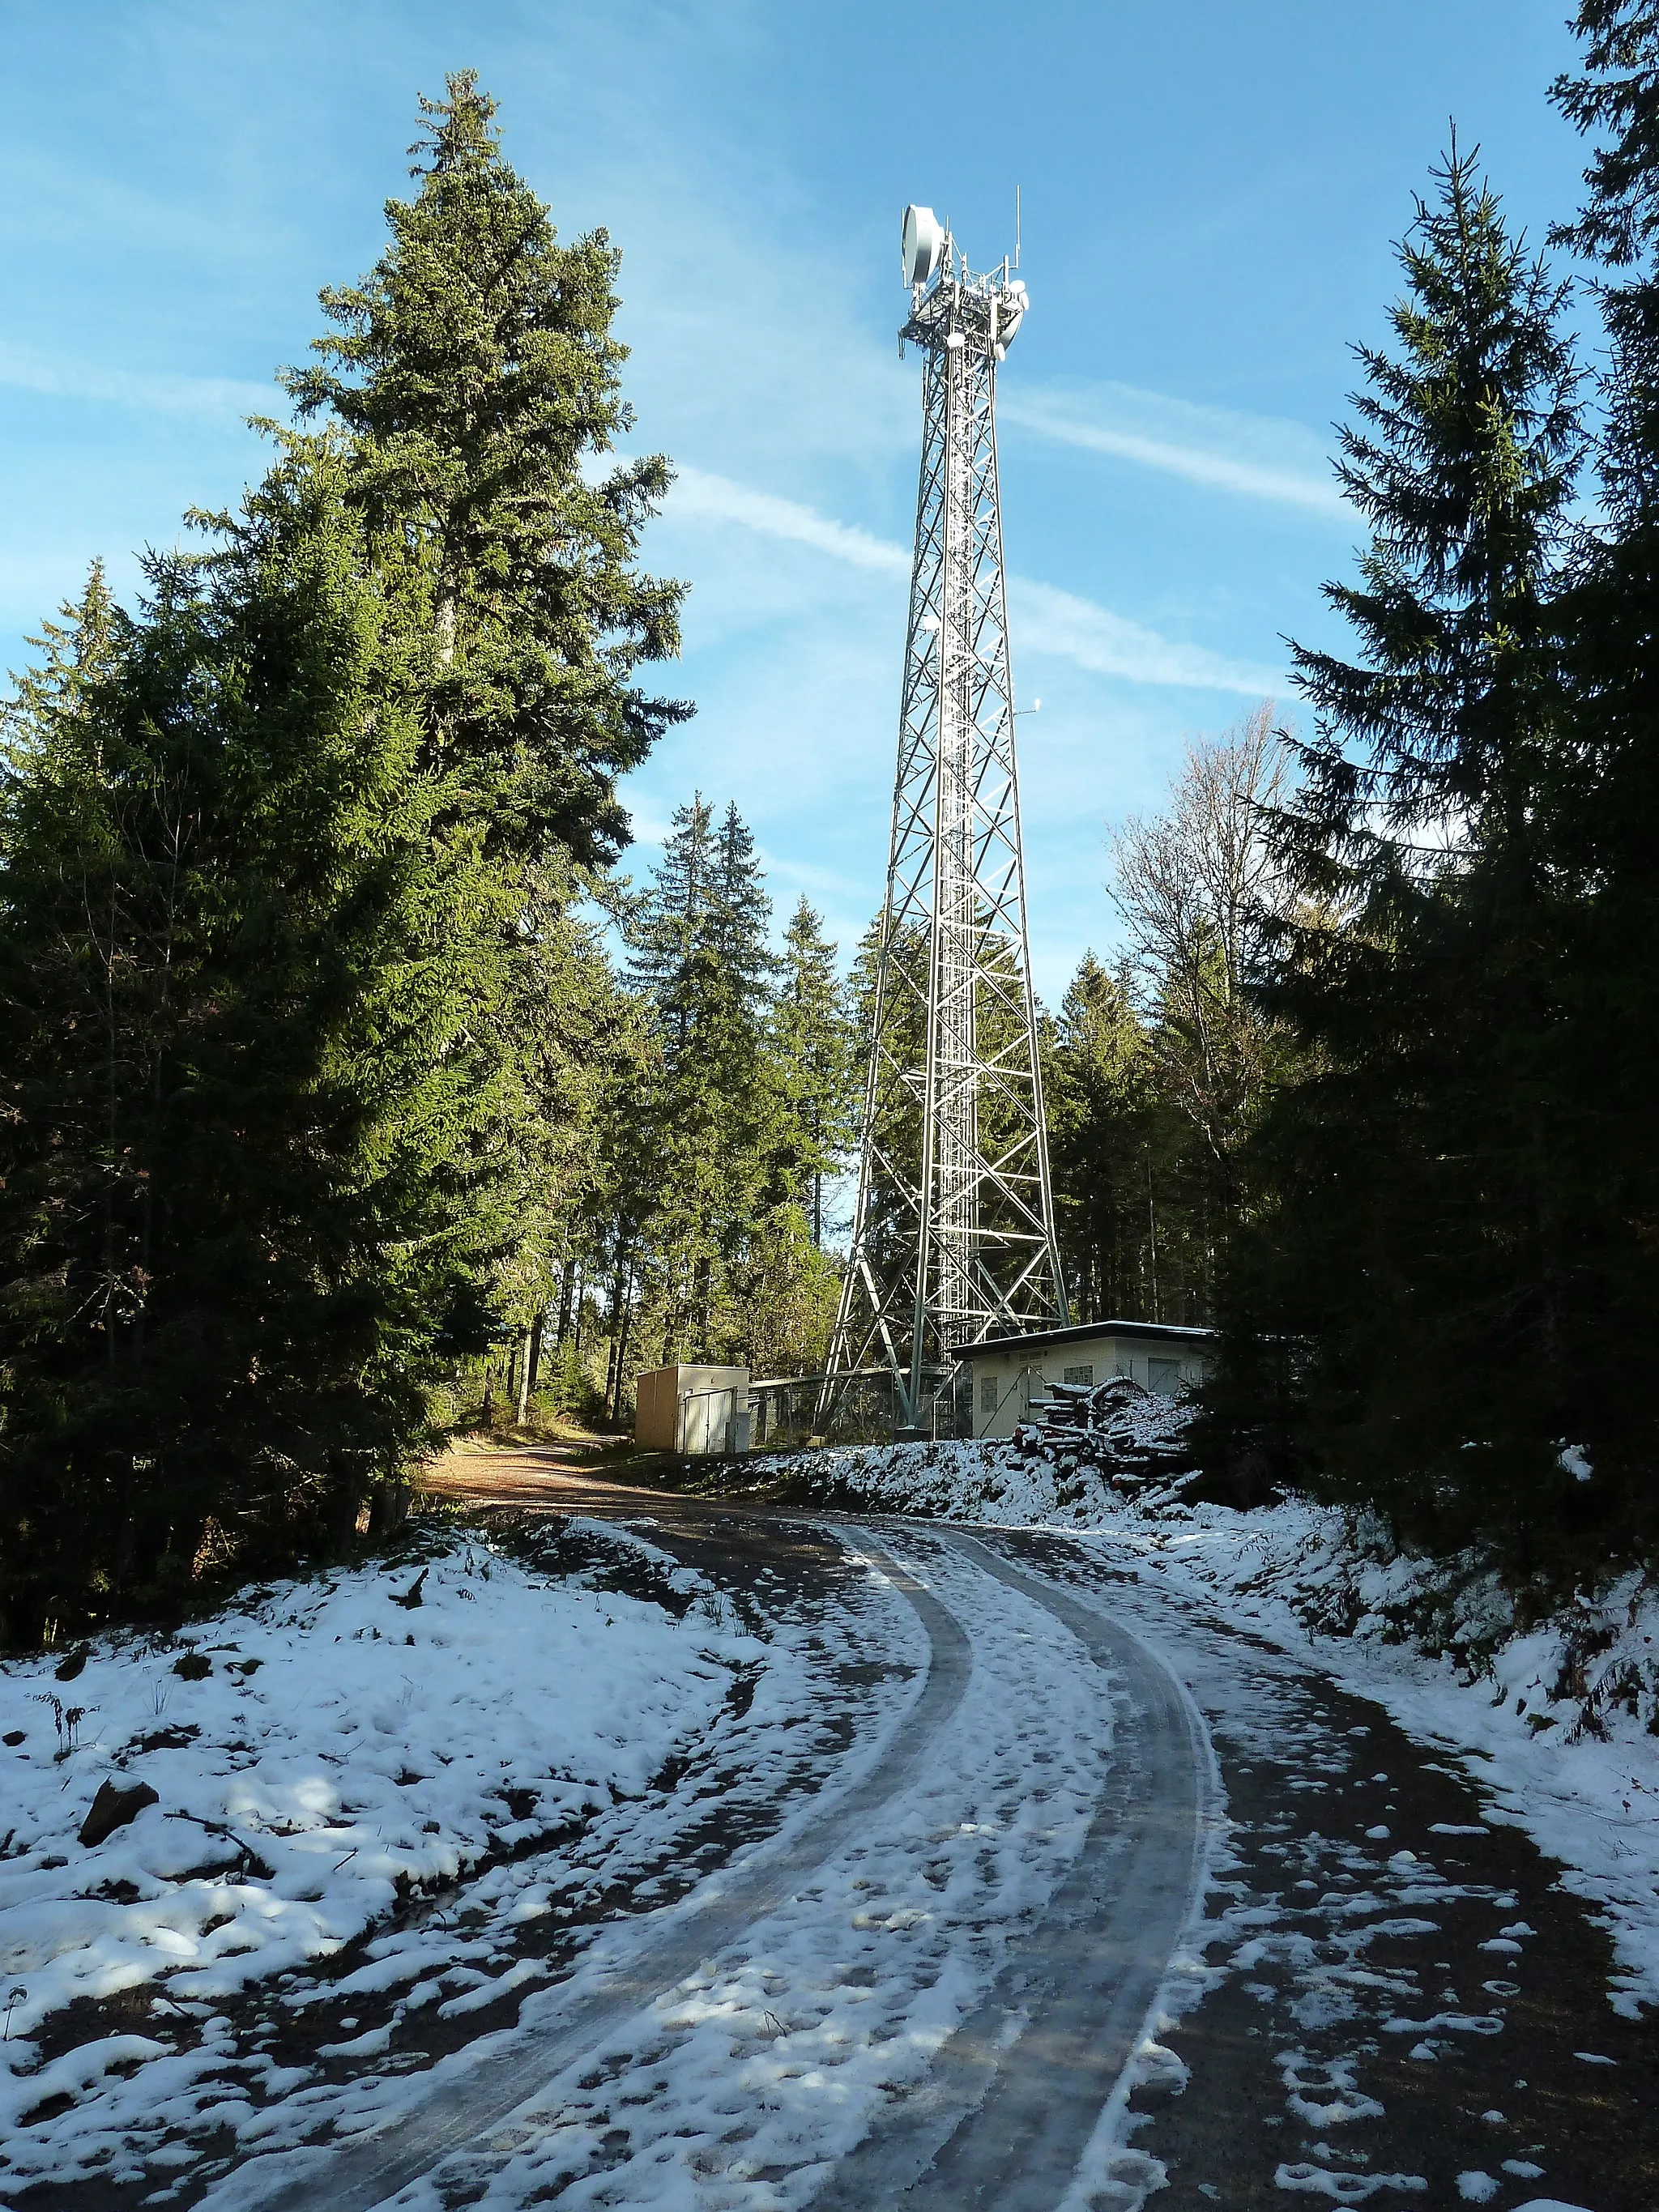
pixel 953 1238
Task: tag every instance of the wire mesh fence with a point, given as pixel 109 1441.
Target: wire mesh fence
pixel 864 1407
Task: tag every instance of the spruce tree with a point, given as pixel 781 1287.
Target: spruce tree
pixel 294 1018
pixel 476 377
pixel 741 915
pixel 1606 806
pixel 1409 1259
pixel 701 954
pixel 1616 97
pixel 473 385
pixel 1106 1141
pixel 892 1142
pixel 813 1048
pixel 1463 463
pixel 265 1201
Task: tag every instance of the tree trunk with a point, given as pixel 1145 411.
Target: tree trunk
pixel 613 1362
pixel 388 1508
pixel 341 1504
pixel 614 1410
pixel 524 1373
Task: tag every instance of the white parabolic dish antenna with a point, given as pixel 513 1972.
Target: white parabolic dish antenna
pixel 924 241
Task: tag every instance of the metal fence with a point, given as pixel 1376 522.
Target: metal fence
pixel 865 1407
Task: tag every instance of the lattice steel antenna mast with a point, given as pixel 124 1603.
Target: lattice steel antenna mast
pixel 953 1238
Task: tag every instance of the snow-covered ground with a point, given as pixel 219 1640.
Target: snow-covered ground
pixel 319 1753
pixel 580 1746
pixel 346 1747
pixel 738 2088
pixel 1562 1718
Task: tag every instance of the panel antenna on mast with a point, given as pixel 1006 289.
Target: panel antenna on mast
pixel 953 1238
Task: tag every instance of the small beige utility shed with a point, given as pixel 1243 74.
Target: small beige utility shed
pixel 699 1411
pixel 1009 1372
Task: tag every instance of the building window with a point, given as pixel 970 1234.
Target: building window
pixel 987 1394
pixel 1164 1376
pixel 1084 1374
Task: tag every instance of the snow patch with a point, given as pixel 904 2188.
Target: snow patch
pixel 321 1752
pixel 1563 1713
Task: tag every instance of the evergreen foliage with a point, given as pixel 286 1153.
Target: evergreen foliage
pixel 1109 1138
pixel 1417 1076
pixel 1412 1262
pixel 894 1106
pixel 301 1041
pixel 474 375
pixel 814 1046
pixel 750 1111
pixel 1604 802
pixel 324 1109
pixel 241 1198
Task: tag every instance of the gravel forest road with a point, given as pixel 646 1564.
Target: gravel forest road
pixel 1382 1997
pixel 1003 2119
pixel 469 2113
pixel 1143 1908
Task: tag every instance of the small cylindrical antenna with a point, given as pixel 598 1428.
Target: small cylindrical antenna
pixel 1016 226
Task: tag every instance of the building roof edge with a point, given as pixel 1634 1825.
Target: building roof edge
pixel 1078 1331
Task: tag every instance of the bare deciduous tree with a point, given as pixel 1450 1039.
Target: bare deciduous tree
pixel 1197 887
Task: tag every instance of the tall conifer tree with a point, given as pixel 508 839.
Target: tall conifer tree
pixel 475 375
pixel 290 998
pixel 1412 1256
pixel 264 1215
pixel 1605 807
pixel 701 954
pixel 1110 1141
pixel 814 1046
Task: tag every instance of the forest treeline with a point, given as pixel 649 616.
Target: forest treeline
pixel 348 1088
pixel 1400 969
pixel 1428 1113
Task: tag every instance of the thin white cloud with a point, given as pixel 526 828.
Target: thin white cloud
pixel 802 876
pixel 28 370
pixel 1048 620
pixel 702 497
pixel 649 829
pixel 1249 455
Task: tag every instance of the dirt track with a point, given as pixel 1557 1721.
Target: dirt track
pixel 1369 2027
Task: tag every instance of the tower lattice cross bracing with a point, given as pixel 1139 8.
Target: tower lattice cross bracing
pixel 953 1237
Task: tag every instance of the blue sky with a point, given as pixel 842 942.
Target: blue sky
pixel 1210 190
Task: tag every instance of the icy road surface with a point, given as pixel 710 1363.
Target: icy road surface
pixel 1016 1882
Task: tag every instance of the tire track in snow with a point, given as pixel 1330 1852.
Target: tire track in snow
pixel 1018 2091
pixel 467 2108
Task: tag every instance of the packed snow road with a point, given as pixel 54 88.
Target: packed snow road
pixel 983 1860
pixel 1006 1881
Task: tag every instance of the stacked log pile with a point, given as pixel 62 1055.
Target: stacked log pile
pixel 1122 1434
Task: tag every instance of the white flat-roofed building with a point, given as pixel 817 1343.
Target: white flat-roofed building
pixel 1009 1373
